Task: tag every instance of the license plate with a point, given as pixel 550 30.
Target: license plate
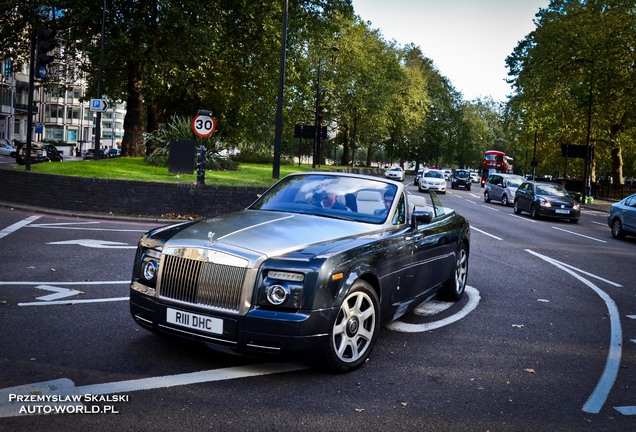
pixel 194 321
pixel 559 211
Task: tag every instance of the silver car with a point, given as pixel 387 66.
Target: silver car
pixel 622 217
pixel 502 187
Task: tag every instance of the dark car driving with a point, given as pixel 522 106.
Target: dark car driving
pixel 461 178
pixel 40 152
pixel 546 199
pixel 296 274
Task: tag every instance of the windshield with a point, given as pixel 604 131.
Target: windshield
pixel 514 182
pixel 434 174
pixel 462 174
pixel 343 197
pixel 552 190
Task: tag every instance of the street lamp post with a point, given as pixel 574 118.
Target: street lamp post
pixel 587 167
pixel 318 116
pixel 279 108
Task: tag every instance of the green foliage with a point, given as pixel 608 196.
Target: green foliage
pixel 578 63
pixel 180 128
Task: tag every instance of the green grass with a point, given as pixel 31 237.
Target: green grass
pixel 127 168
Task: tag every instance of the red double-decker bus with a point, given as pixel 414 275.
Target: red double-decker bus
pixel 495 161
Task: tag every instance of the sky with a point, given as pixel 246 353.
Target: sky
pixel 467 40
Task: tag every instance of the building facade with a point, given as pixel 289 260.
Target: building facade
pixel 60 113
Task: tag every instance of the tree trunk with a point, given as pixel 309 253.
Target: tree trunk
pixel 132 143
pixel 345 160
pixel 617 166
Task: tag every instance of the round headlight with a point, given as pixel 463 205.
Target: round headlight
pixel 276 294
pixel 150 270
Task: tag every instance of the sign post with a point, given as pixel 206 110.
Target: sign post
pixel 203 125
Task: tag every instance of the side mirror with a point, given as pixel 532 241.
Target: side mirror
pixel 421 217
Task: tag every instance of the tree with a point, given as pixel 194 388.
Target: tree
pixel 579 60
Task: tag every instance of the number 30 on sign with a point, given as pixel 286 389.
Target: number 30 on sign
pixel 203 125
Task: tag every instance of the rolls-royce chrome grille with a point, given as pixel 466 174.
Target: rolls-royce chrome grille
pixel 202 283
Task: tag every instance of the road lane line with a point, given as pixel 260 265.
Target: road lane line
pixel 66 387
pixel 74 302
pixel 473 300
pixel 491 208
pixel 16 226
pixel 485 233
pixel 580 235
pixel 598 397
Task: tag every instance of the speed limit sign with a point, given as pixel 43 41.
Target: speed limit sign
pixel 203 125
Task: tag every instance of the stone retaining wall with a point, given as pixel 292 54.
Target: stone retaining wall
pixel 124 197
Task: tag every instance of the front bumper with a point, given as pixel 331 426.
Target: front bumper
pixel 433 187
pixel 559 213
pixel 259 332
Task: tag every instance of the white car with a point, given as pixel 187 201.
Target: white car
pixel 6 149
pixel 395 173
pixel 432 180
pixel 474 177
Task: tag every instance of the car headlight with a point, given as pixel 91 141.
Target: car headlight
pixel 544 203
pixel 149 269
pixel 282 289
pixel 576 206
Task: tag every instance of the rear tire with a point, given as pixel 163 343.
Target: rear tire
pixel 355 329
pixel 617 229
pixel 453 289
pixel 504 200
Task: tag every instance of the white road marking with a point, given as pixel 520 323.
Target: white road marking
pixel 99 244
pixel 74 302
pixel 485 233
pixel 491 208
pixel 70 226
pixel 577 234
pixel 598 397
pixel 58 293
pixel 66 387
pixel 473 301
pixel 65 283
pixel 16 226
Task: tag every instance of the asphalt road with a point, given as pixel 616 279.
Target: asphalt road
pixel 543 341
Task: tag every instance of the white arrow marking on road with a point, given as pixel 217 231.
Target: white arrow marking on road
pixel 59 292
pixel 100 244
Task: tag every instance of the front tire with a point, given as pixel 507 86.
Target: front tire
pixel 534 213
pixel 517 208
pixel 486 197
pixel 355 329
pixel 453 289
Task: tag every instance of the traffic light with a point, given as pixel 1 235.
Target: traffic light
pixel 45 43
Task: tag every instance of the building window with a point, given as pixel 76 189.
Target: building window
pixel 71 135
pixel 72 113
pixel 55 111
pixel 54 132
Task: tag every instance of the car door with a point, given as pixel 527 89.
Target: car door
pixel 524 196
pixel 433 246
pixel 629 214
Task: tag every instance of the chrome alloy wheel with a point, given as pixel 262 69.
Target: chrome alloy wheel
pixel 355 327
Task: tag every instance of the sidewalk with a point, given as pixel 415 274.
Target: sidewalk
pixel 599 205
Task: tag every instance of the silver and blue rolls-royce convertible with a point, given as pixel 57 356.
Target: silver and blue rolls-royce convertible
pixel 317 264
